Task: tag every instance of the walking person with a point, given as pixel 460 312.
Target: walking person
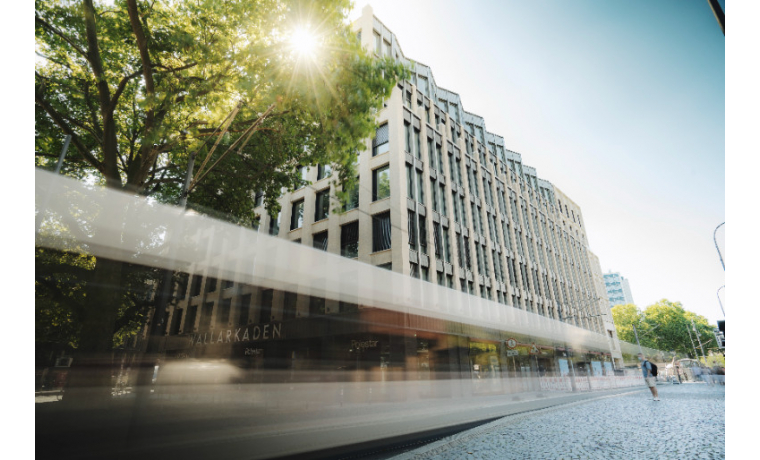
pixel 649 377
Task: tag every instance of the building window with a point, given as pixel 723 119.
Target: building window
pixel 176 321
pixel 409 182
pixel 454 201
pixel 192 312
pixel 442 196
pixel 408 141
pixel 388 266
pixel 412 229
pixel 424 273
pixel 440 278
pixel 289 306
pixel 266 306
pixel 210 284
pixel 380 144
pixel 417 144
pixel 296 217
pixel 378 44
pixel 446 247
pixel 352 201
pixel 423 235
pixel 195 287
pixel 420 187
pixel 303 172
pixel 437 243
pixel 323 171
pixel 349 240
pixel 387 47
pixel 434 196
pixel 414 270
pixel 431 153
pixel 206 310
pixel 244 305
pixel 320 240
pixel 259 200
pixel 467 259
pixel 381 232
pixel 381 183
pixel 322 205
pixel 316 306
pixel 223 317
pixel 439 157
pixel 274 225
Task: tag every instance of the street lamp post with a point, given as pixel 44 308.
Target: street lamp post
pixel 716 246
pixel 721 303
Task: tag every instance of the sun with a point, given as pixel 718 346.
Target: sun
pixel 304 42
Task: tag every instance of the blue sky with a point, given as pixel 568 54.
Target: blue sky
pixel 619 104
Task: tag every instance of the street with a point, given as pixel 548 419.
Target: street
pixel 688 422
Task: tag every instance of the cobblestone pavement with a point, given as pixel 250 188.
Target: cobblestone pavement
pixel 688 422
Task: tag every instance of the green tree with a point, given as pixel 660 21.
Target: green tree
pixel 625 317
pixel 140 86
pixel 665 326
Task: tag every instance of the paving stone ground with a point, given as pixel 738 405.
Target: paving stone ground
pixel 688 422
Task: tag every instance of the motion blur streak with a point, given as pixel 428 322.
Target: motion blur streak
pixel 374 356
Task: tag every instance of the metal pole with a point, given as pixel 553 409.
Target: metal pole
pixel 721 303
pixel 637 340
pixel 698 340
pixel 719 15
pixel 63 153
pixel 692 342
pixel 716 246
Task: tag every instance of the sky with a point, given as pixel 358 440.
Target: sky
pixel 620 105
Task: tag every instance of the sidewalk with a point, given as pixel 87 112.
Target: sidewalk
pixel 688 422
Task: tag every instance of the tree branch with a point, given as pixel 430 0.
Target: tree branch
pixel 120 89
pixel 61 122
pixel 63 36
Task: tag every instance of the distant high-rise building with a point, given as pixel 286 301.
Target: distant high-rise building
pixel 618 289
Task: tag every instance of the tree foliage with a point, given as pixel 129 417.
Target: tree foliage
pixel 141 85
pixel 665 326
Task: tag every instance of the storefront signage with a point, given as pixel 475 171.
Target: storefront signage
pixel 511 343
pixel 257 333
pixel 363 345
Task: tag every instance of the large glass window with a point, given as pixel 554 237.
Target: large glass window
pixel 378 44
pixel 423 235
pixel 420 187
pixel 349 239
pixel 409 182
pixel 431 153
pixel 437 243
pixel 320 240
pixel 381 183
pixel 417 144
pixel 412 229
pixel 434 194
pixel 322 205
pixel 323 171
pixel 296 218
pixel 381 142
pixel 439 157
pixel 353 199
pixel 408 139
pixel 274 225
pixel 446 246
pixel 442 197
pixel 381 231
